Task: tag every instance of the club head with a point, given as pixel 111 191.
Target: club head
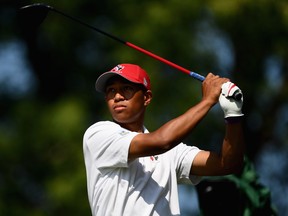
pixel 31 16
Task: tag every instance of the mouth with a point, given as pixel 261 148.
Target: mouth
pixel 119 107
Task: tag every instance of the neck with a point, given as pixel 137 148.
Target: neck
pixel 135 127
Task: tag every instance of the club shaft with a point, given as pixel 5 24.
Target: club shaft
pixel 133 46
pixel 184 70
pixel 89 26
pixel 195 75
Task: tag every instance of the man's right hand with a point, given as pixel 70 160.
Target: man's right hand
pixel 211 87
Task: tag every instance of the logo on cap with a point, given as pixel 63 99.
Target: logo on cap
pixel 117 68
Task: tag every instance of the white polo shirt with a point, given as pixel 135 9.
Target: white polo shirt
pixel 144 186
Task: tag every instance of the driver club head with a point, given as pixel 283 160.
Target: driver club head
pixel 31 16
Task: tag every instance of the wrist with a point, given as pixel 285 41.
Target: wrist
pixel 233 120
pixel 208 102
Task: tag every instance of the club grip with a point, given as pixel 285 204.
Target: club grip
pixel 237 95
pixel 197 76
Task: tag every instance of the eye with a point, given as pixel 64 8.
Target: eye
pixel 110 91
pixel 128 88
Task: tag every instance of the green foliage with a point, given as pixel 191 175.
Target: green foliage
pixel 42 168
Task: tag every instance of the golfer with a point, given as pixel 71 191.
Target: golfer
pixel 131 171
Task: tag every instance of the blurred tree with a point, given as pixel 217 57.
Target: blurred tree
pixel 258 30
pixel 41 163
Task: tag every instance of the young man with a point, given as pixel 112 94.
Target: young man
pixel 133 172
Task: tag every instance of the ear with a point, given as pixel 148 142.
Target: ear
pixel 147 97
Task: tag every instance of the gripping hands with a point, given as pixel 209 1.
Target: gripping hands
pixel 230 106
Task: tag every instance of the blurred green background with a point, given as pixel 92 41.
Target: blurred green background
pixel 47 96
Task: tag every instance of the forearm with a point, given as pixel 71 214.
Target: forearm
pixel 170 134
pixel 232 153
pixel 173 132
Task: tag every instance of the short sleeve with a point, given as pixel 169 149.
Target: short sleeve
pixel 108 144
pixel 184 158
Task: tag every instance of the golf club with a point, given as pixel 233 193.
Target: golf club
pixel 36 13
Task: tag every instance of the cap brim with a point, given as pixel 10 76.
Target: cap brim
pixel 100 84
pixel 101 81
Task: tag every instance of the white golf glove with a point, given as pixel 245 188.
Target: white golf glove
pixel 230 106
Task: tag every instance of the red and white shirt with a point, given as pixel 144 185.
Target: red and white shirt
pixel 144 186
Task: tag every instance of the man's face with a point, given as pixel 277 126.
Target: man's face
pixel 126 100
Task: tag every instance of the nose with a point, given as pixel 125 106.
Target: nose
pixel 118 96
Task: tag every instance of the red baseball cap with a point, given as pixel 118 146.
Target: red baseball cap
pixel 131 72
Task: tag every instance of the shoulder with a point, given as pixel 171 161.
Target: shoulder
pixel 98 127
pixel 102 125
pixel 106 129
